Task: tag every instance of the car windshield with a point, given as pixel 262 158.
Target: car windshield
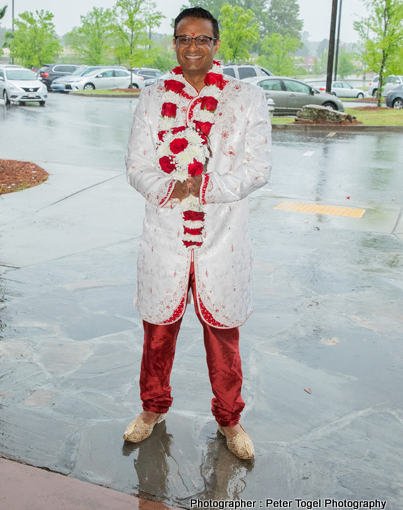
pixel 79 71
pixel 20 75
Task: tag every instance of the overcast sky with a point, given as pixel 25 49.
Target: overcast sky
pixel 315 13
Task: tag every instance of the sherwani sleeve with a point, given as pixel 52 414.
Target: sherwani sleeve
pixel 141 162
pixel 254 170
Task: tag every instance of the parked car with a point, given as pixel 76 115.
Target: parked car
pixel 59 84
pixel 147 72
pixel 49 72
pixel 290 95
pixel 245 71
pixel 342 89
pixel 21 85
pixel 394 99
pixel 389 83
pixel 99 79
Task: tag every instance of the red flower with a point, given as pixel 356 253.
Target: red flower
pixel 161 135
pixel 195 168
pixel 204 127
pixel 169 110
pixel 215 79
pixel 178 145
pixel 209 103
pixel 175 86
pixel 193 231
pixel 191 243
pixel 177 70
pixel 193 216
pixel 167 165
pixel 178 129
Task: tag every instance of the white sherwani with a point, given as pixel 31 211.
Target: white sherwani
pixel 240 141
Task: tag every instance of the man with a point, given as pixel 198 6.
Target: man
pixel 215 129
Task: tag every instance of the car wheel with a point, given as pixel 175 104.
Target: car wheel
pixel 42 103
pixel 22 103
pixel 374 92
pixel 360 95
pixel 5 97
pixel 135 86
pixel 89 86
pixel 398 103
pixel 332 105
pixel 334 94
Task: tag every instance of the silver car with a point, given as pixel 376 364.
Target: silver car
pixel 20 85
pixel 389 83
pixel 100 79
pixel 291 95
pixel 342 89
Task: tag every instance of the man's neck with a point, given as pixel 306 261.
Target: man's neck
pixel 197 81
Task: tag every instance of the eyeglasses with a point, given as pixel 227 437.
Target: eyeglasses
pixel 201 41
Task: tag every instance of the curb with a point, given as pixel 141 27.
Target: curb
pixel 360 128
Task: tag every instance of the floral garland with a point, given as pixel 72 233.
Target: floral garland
pixel 183 151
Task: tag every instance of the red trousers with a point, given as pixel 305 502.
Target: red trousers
pixel 223 361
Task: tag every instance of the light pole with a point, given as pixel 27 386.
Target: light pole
pixel 331 47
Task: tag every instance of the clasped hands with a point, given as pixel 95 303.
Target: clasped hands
pixel 183 189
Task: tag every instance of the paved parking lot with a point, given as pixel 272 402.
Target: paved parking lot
pixel 322 352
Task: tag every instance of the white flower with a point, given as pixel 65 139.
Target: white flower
pixel 193 137
pixel 166 123
pixel 190 237
pixel 204 116
pixel 212 91
pixel 193 224
pixel 180 174
pixel 184 158
pixel 163 150
pixel 171 97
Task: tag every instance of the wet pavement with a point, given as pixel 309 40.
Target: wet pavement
pixel 322 352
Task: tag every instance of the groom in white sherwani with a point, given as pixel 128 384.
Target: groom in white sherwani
pixel 199 145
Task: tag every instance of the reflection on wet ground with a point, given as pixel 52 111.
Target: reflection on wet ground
pixel 327 318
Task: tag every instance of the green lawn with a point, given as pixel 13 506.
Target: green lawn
pixel 384 117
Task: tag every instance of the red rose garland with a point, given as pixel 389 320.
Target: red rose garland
pixel 183 151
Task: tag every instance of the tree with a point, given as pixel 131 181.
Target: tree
pixel 34 41
pixel 239 32
pixel 92 39
pixel 3 12
pixel 131 19
pixel 283 16
pixel 381 34
pixel 2 30
pixel 346 65
pixel 278 54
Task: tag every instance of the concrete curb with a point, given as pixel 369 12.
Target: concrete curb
pixel 360 128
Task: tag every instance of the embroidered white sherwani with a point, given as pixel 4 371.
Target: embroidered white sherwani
pixel 240 142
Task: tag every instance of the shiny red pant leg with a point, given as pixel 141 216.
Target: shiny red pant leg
pixel 224 366
pixel 223 361
pixel 156 365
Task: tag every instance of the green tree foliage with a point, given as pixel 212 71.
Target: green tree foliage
pixel 163 56
pixel 92 39
pixel 239 32
pixel 283 18
pixel 34 42
pixel 130 24
pixel 345 65
pixel 381 34
pixel 278 51
pixel 3 12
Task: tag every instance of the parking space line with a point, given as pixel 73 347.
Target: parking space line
pixel 309 153
pixel 333 210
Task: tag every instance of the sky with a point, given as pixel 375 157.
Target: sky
pixel 314 13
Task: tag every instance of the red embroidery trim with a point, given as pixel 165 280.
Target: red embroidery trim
pixel 193 231
pixel 193 215
pixel 178 312
pixel 188 244
pixel 168 195
pixel 196 102
pixel 207 315
pixel 206 180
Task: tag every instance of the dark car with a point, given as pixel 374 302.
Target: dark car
pixel 394 99
pixel 49 72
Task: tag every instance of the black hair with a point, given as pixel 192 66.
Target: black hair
pixel 199 13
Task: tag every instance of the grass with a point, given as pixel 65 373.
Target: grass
pixel 384 117
pixel 107 92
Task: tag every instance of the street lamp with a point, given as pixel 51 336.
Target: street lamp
pixel 12 21
pixel 338 42
pixel 331 47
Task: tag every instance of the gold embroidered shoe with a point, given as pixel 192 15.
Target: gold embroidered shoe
pixel 240 445
pixel 138 430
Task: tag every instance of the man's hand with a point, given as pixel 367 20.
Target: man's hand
pixel 194 185
pixel 181 190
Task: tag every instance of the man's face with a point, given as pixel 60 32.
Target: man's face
pixel 194 60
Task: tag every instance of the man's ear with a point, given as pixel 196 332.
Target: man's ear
pixel 217 46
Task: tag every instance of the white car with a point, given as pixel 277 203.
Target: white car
pixel 100 79
pixel 342 89
pixel 20 85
